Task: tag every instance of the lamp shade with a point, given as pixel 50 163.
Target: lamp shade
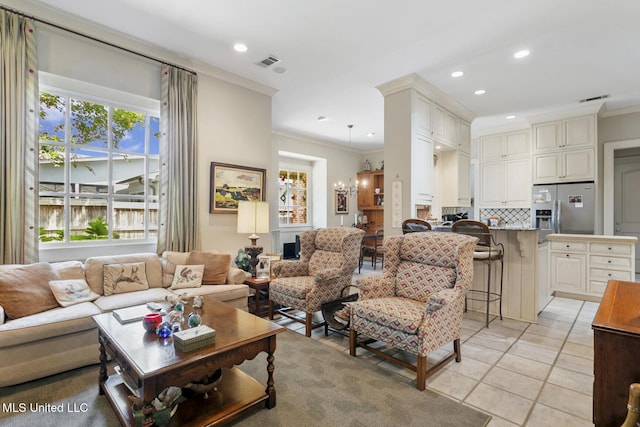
pixel 253 217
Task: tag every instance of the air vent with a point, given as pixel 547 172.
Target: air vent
pixel 595 98
pixel 269 61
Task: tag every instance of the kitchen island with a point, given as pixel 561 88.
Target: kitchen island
pixel 525 288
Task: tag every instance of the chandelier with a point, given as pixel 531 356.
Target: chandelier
pixel 349 189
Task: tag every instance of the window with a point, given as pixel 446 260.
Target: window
pixel 293 196
pixel 98 169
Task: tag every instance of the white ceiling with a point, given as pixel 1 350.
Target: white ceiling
pixel 337 51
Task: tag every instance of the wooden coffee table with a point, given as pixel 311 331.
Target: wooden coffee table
pixel 152 364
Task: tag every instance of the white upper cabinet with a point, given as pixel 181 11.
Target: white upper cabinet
pixel 505 146
pixel 564 150
pixel 576 132
pixel 422 113
pixel 464 136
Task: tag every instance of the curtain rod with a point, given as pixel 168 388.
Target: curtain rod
pixel 77 33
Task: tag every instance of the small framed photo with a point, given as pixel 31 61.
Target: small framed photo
pixel 342 202
pixel 263 269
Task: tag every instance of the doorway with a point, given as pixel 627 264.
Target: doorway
pixel 621 201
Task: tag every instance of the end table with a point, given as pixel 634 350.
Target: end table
pixel 259 285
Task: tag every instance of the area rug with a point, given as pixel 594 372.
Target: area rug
pixel 316 385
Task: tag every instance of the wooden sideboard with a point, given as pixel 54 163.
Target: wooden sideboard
pixel 616 364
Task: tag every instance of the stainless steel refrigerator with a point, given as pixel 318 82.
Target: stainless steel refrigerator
pixel 563 208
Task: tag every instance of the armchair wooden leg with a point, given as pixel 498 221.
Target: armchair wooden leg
pixel 456 350
pixel 270 310
pixel 421 370
pixel 353 340
pixel 307 324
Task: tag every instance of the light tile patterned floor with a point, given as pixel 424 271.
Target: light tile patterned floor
pixel 521 374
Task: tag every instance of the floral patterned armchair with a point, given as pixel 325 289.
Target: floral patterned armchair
pixel 328 258
pixel 417 303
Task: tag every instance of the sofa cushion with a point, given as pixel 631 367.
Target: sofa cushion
pixel 69 269
pixel 95 276
pixel 49 324
pixel 115 301
pixel 216 266
pixel 72 291
pixel 170 260
pixel 25 290
pixel 123 278
pixel 187 276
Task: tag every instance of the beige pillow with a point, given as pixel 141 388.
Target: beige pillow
pixel 72 291
pixel 25 290
pixel 122 278
pixel 216 266
pixel 69 269
pixel 187 276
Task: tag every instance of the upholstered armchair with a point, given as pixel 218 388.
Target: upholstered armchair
pixel 416 305
pixel 328 258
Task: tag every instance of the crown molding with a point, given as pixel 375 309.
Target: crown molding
pixel 423 87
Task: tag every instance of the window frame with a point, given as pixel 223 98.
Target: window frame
pixel 298 167
pixel 114 99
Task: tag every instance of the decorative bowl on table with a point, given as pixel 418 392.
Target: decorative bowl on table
pixel 151 321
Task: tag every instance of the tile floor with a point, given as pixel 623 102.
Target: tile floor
pixel 521 374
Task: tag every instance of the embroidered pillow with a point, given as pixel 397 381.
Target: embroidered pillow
pixel 25 290
pixel 187 276
pixel 122 278
pixel 72 291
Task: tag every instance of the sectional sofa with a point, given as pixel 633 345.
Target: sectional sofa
pixel 41 336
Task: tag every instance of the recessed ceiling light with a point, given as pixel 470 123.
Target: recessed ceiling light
pixel 437 147
pixel 240 47
pixel 511 117
pixel 371 134
pixel 480 92
pixel 280 70
pixel 457 74
pixel 321 118
pixel 521 54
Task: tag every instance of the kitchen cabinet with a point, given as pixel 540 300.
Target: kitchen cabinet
pixel 505 146
pixel 464 137
pixel 445 127
pixel 422 171
pixel 439 115
pixel 565 150
pixel 455 179
pixel 370 202
pixel 505 184
pixel 564 166
pixel 581 265
pixel 422 109
pixel 576 132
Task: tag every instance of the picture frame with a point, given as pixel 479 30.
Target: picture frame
pixel 263 269
pixel 230 184
pixel 341 203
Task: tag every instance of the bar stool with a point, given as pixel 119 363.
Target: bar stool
pixel 414 225
pixel 487 251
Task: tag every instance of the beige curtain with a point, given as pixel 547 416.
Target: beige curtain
pixel 18 140
pixel 178 211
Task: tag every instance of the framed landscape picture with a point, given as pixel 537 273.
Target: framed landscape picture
pixel 232 183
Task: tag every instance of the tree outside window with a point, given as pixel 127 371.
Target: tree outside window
pixel 98 170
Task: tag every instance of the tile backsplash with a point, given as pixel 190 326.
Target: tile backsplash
pixel 508 216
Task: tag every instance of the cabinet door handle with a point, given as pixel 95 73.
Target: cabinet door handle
pixel 609 261
pixel 568 255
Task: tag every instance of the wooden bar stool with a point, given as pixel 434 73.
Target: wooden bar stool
pixel 487 251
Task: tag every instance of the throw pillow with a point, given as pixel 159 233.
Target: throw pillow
pixel 72 291
pixel 187 276
pixel 25 290
pixel 122 278
pixel 216 266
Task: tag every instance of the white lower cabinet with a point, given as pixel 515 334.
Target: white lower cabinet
pixel 582 265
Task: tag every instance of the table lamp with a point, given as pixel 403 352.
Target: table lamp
pixel 253 217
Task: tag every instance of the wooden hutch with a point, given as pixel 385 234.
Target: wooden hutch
pixel 370 202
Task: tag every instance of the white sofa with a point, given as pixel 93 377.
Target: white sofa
pixel 65 338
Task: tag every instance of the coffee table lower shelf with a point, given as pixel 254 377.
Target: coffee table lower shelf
pixel 237 393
